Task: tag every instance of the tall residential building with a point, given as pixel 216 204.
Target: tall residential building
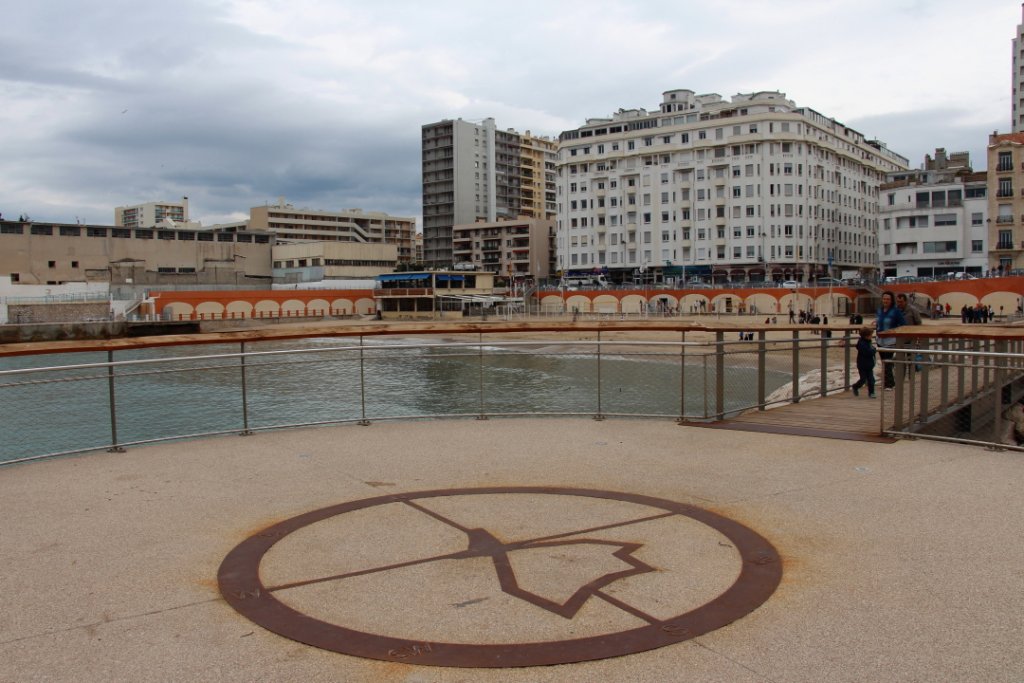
pixel 934 221
pixel 1006 201
pixel 1017 79
pixel 347 225
pixel 748 189
pixel 476 172
pixel 151 214
pixel 538 158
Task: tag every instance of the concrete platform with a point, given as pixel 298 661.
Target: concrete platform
pixel 900 562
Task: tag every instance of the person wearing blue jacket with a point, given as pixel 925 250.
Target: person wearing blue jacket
pixel 888 317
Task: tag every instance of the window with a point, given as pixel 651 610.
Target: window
pixel 70 231
pixel 945 219
pixel 976 218
pixel 51 264
pixel 977 246
pixel 41 230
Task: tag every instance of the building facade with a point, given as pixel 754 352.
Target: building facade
pixel 748 189
pixel 350 225
pixel 519 249
pixel 152 214
pixel 1017 80
pixel 55 253
pixel 298 262
pixel 1006 201
pixel 475 172
pixel 934 221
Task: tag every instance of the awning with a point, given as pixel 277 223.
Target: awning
pixel 450 278
pixel 393 277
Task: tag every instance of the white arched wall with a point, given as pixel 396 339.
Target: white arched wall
pixel 178 310
pixel 690 304
pixel 342 306
pixel 266 309
pixel 632 303
pixel 552 303
pixel 826 305
pixel 366 306
pixel 606 303
pixel 292 308
pixel 577 302
pixel 210 310
pixel 238 309
pixel 763 304
pixel 318 307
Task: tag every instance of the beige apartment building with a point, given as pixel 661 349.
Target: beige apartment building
pixel 538 157
pixel 296 262
pixel 56 253
pixel 1006 201
pixel 152 214
pixel 349 225
pixel 521 248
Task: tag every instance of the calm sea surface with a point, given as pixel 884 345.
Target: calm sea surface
pixel 70 410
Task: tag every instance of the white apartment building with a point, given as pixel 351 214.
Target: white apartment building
pixel 934 222
pixel 473 171
pixel 747 189
pixel 153 214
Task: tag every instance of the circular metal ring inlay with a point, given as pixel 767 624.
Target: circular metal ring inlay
pixel 372 596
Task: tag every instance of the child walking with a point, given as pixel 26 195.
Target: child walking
pixel 865 363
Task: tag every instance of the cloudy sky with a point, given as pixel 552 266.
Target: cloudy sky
pixel 234 103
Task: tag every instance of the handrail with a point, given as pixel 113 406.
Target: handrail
pixel 734 372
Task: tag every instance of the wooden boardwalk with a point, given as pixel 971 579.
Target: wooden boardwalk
pixel 836 416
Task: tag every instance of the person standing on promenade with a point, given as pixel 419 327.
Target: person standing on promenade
pixel 865 363
pixel 888 317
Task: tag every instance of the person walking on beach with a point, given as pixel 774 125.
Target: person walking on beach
pixel 888 317
pixel 865 363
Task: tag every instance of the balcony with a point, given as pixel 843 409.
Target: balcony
pixel 1003 220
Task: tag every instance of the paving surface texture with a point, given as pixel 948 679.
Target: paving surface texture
pixel 900 562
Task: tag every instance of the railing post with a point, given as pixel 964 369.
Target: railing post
pixel 924 373
pixel 114 448
pixel 363 422
pixel 847 338
pixel 480 346
pixel 705 392
pixel 961 371
pixel 245 396
pixel 600 415
pixel 943 375
pixel 897 398
pixel 762 371
pixel 796 366
pixel 975 366
pixel 999 374
pixel 719 375
pixel 682 378
pixel 824 364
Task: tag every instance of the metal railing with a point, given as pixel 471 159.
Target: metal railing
pixel 960 390
pixel 111 403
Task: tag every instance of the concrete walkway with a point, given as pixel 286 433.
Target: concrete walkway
pixel 900 562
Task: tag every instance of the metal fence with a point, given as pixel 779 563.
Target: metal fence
pixel 99 401
pixel 961 390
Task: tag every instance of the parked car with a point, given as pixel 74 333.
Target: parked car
pixel 790 284
pixel 828 281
